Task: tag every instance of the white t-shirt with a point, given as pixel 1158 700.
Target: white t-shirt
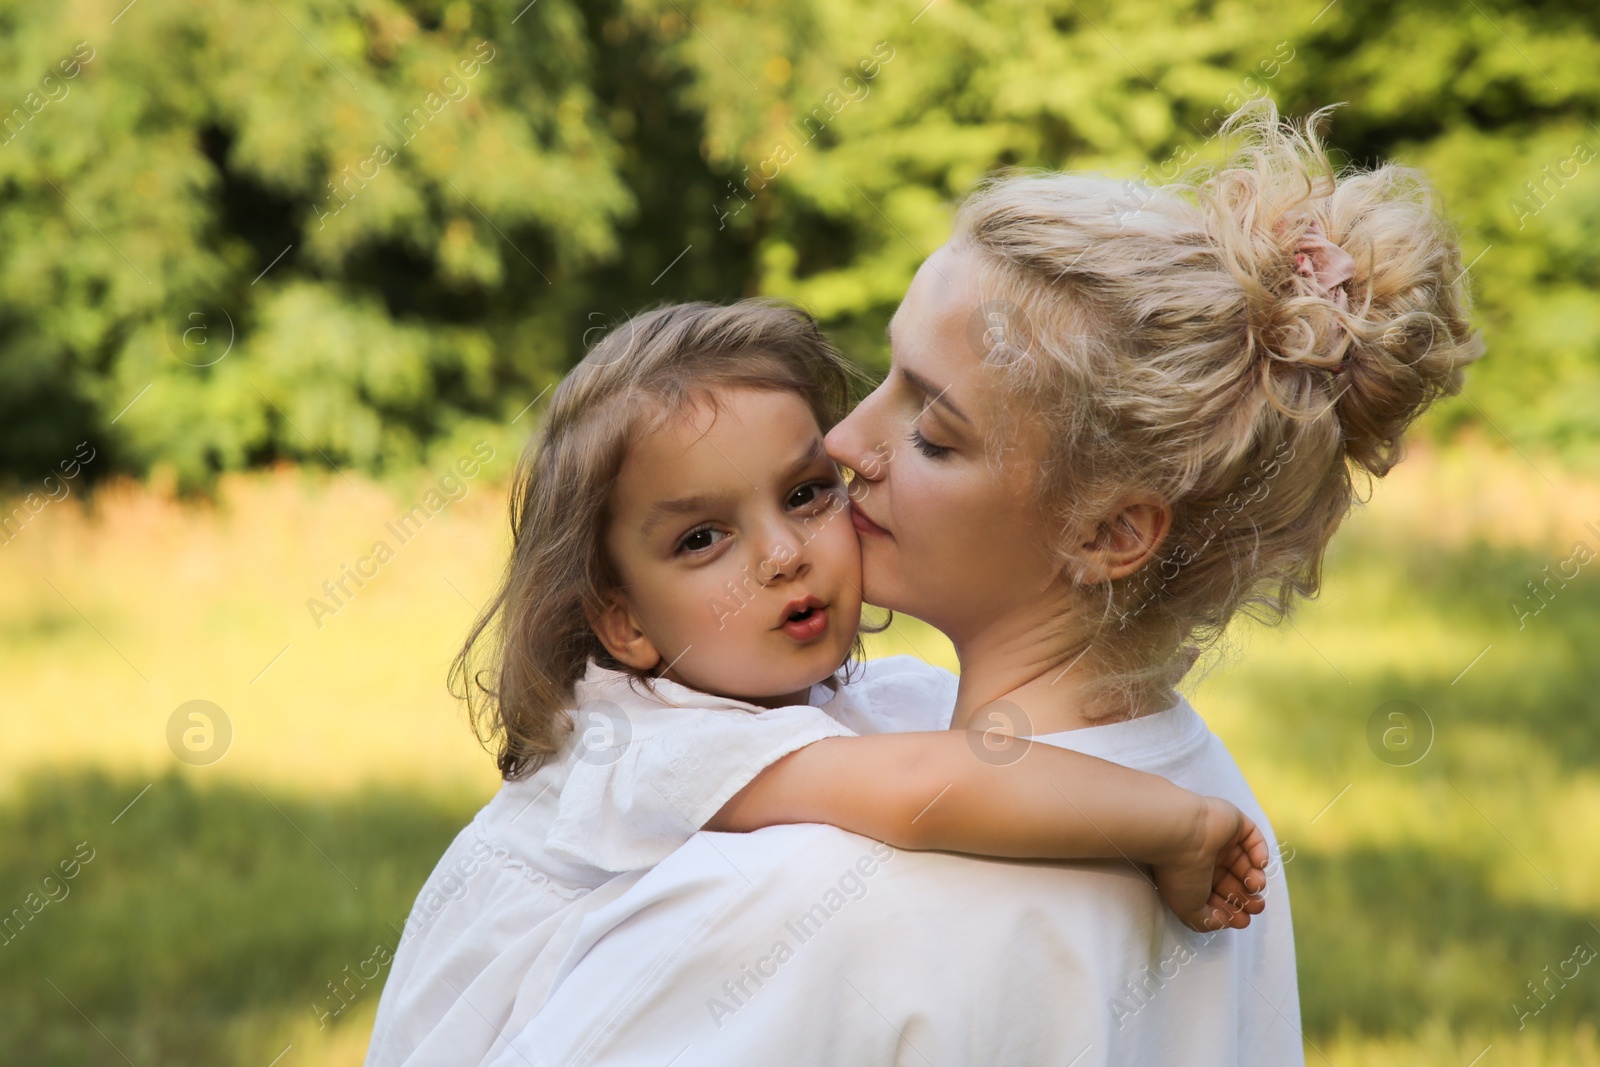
pixel 640 773
pixel 810 946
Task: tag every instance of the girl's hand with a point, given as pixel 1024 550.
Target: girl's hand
pixel 1217 880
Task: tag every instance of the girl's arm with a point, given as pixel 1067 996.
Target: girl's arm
pixel 1016 799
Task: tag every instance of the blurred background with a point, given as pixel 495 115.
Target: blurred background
pixel 283 281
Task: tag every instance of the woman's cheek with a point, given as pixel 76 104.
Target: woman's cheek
pixel 839 540
pixel 927 515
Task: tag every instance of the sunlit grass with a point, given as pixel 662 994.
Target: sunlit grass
pixel 1532 1047
pixel 120 615
pixel 202 924
pixel 1425 896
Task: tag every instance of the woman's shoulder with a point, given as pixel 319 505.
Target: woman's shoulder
pixel 897 694
pixel 905 669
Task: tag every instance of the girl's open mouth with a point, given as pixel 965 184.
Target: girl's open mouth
pixel 806 623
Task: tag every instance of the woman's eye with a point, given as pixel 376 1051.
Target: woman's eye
pixel 925 446
pixel 700 540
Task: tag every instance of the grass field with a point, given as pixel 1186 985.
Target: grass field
pixel 221 902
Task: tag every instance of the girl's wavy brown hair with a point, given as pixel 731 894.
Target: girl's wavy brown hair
pixel 532 643
pixel 1175 351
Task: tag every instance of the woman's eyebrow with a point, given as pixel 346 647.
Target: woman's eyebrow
pixel 936 396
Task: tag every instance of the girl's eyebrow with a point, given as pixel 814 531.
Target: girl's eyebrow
pixel 684 505
pixel 814 454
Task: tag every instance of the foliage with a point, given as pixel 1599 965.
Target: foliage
pixel 246 172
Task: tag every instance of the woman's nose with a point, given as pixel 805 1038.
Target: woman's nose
pixel 851 443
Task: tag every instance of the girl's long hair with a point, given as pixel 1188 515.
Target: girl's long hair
pixel 532 643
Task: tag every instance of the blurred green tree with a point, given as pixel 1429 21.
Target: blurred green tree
pixel 327 231
pixel 405 218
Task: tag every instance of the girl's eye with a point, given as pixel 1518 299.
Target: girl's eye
pixel 700 540
pixel 925 446
pixel 810 493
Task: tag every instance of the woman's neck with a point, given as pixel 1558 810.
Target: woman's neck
pixel 1018 678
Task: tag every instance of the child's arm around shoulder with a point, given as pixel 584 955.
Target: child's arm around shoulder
pixel 995 795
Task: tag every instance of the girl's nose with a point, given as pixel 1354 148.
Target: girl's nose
pixel 783 556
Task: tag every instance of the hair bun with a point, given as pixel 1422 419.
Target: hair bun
pixel 1355 294
pixel 1409 336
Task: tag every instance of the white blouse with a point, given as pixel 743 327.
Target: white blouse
pixel 809 946
pixel 640 773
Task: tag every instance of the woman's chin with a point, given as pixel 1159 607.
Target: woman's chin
pixel 884 581
pixel 879 589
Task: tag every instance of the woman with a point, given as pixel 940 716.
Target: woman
pixel 1116 416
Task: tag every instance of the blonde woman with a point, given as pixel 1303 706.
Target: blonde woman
pixel 666 656
pixel 1116 417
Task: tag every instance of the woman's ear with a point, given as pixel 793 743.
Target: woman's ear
pixel 1126 541
pixel 618 629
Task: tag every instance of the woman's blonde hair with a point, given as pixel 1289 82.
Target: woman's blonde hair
pixel 1170 347
pixel 648 370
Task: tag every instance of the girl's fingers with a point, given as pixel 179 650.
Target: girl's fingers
pixel 1237 860
pixel 1248 851
pixel 1255 845
pixel 1232 916
pixel 1226 906
pixel 1216 915
pixel 1231 889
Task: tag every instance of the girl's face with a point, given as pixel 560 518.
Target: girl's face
pixel 730 532
pixel 949 534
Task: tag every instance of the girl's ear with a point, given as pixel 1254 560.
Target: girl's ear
pixel 618 629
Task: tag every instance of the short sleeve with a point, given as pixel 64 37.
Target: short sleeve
pixel 631 802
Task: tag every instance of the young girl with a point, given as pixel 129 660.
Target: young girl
pixel 677 632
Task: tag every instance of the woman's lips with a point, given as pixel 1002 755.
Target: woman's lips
pixel 865 526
